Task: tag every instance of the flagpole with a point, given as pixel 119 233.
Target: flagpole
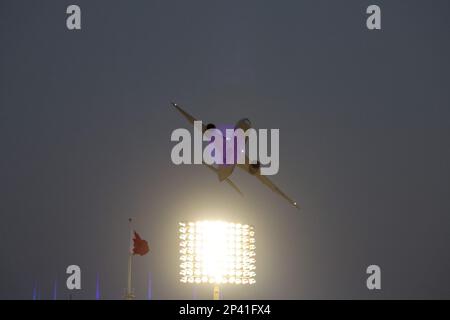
pixel 129 295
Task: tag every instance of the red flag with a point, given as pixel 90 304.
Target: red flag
pixel 140 246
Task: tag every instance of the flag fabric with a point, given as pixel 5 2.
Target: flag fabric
pixel 140 246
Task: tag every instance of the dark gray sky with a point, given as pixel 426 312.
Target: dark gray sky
pixel 364 121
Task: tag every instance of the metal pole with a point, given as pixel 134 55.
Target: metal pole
pixel 216 292
pixel 129 295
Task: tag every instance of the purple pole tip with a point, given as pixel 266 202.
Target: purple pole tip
pixel 35 292
pixel 97 289
pixel 55 290
pixel 149 287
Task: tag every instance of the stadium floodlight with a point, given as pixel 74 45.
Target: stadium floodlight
pixel 217 252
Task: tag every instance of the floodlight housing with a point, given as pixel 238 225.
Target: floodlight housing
pixel 217 252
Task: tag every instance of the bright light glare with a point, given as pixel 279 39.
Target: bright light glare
pixel 217 252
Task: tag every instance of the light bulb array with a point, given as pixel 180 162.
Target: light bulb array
pixel 217 252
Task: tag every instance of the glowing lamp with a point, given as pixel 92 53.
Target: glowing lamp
pixel 217 252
